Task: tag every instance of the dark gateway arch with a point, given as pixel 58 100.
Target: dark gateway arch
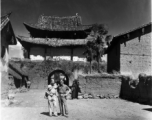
pixel 59 71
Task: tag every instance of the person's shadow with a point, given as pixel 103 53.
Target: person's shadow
pixel 148 109
pixel 45 113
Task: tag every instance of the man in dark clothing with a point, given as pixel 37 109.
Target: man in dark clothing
pixel 75 89
pixel 63 91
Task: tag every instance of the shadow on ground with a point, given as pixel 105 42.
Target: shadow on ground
pixel 45 113
pixel 148 109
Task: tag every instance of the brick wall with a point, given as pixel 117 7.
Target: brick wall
pixel 135 55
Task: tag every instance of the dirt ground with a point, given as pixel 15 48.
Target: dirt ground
pixel 31 105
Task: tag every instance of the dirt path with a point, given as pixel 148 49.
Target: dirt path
pixel 33 106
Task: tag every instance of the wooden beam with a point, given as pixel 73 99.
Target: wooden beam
pixel 71 54
pixel 28 53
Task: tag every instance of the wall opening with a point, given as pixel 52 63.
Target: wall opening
pixel 57 75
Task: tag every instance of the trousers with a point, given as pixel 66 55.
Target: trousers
pixel 52 105
pixel 63 105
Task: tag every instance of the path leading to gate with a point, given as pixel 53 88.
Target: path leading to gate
pixel 33 106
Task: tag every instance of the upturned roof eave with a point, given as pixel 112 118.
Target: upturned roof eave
pixel 6 21
pixel 29 27
pixel 14 73
pixel 25 40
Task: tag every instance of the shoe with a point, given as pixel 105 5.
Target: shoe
pixel 56 115
pixel 59 114
pixel 66 115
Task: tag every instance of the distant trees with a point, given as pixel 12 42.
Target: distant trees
pixel 98 41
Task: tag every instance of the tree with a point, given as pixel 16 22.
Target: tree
pixel 89 53
pixel 98 41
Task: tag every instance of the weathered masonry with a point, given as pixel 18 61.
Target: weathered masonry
pixel 131 52
pixel 7 38
pixel 55 36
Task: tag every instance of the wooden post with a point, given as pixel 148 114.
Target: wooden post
pixel 21 82
pixel 28 53
pixel 45 51
pixel 71 54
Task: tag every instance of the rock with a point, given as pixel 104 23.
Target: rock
pixel 11 95
pixel 90 96
pixel 80 97
pixel 97 97
pixel 80 94
pixel 101 96
pixel 116 96
pixel 107 96
pixel 85 96
pixel 7 102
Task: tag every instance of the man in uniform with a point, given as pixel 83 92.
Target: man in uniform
pixel 63 91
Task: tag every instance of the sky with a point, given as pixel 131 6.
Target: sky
pixel 119 15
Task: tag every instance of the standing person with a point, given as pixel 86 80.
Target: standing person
pixel 51 95
pixel 75 89
pixel 28 84
pixel 63 91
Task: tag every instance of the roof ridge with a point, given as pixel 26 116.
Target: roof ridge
pixel 60 16
pixel 144 25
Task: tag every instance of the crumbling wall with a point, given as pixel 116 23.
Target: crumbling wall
pixel 100 84
pixel 4 84
pixel 139 90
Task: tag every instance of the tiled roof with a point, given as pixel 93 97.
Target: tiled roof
pixel 60 28
pixel 55 23
pixel 13 73
pixel 134 29
pixel 17 69
pixel 54 42
pixel 122 35
pixel 4 20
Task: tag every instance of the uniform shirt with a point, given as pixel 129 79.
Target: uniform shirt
pixel 63 89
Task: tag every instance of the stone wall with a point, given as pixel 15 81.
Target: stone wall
pixel 100 84
pixel 135 56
